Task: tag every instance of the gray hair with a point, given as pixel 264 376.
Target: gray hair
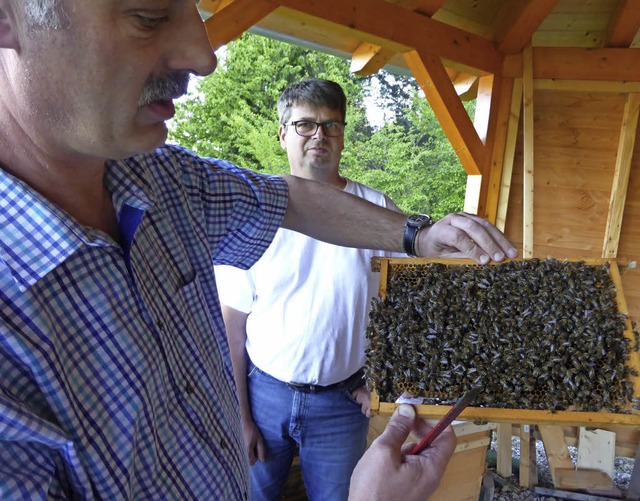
pixel 312 91
pixel 45 15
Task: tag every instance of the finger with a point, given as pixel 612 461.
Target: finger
pixel 441 450
pixel 260 449
pixel 479 239
pixel 398 427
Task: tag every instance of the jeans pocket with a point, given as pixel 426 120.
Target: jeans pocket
pixel 347 394
pixel 251 369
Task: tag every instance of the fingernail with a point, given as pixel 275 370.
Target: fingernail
pixel 406 410
pixel 499 256
pixel 484 259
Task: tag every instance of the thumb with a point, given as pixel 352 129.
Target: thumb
pixel 398 427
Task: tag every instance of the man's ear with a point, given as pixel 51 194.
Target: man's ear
pixel 281 133
pixel 9 38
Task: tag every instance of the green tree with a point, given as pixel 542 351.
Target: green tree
pixel 232 115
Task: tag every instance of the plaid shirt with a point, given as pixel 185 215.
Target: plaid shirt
pixel 115 375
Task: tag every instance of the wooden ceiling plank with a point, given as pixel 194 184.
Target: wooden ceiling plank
pixel 528 165
pixel 439 91
pixel 621 176
pixel 623 24
pixel 611 64
pixel 231 21
pixel 390 22
pixel 369 58
pixel 522 19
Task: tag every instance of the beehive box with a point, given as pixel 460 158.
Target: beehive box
pixel 549 342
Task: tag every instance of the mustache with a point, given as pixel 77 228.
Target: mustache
pixel 164 88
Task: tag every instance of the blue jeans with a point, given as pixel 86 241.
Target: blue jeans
pixel 328 426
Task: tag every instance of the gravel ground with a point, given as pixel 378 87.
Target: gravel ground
pixel 511 491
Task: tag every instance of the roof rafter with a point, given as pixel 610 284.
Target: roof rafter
pixel 232 18
pixel 519 21
pixel 623 25
pixel 441 94
pixel 388 22
pixel 369 58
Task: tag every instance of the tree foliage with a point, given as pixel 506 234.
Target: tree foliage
pixel 232 115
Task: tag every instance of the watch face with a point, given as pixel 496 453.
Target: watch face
pixel 419 220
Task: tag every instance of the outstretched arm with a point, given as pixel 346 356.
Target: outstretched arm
pixel 326 213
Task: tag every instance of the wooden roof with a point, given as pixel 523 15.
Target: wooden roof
pixel 471 36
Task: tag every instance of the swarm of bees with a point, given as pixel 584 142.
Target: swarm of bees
pixel 533 334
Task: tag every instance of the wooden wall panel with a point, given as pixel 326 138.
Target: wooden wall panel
pixel 576 140
pixel 629 247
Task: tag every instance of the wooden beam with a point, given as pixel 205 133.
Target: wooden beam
pixel 527 182
pixel 489 103
pixel 556 449
pixel 528 464
pixel 439 91
pixel 509 154
pixel 369 58
pixel 566 63
pixel 623 25
pixel 504 450
pixel 519 22
pixel 586 85
pixel 232 20
pixel 624 157
pixel 568 478
pixel 386 21
pixel 489 208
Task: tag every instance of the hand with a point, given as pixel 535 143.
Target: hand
pixel 463 235
pixel 387 472
pixel 363 397
pixel 253 441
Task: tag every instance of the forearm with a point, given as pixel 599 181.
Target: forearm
pixel 235 323
pixel 329 214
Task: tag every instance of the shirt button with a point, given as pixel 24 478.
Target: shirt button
pixel 160 326
pixel 223 443
pixel 190 389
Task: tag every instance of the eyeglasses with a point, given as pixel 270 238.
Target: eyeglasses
pixel 306 128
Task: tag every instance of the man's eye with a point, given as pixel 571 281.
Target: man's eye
pixel 330 125
pixel 306 125
pixel 150 22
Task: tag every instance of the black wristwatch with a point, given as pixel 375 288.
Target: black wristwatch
pixel 415 222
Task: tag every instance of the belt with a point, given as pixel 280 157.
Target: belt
pixel 352 383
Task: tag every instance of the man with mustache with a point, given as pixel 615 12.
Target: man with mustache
pixel 115 376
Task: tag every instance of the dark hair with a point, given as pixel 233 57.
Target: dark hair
pixel 313 91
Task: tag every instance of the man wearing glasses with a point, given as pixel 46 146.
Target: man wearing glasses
pixel 296 322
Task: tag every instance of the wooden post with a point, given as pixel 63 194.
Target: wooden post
pixel 528 463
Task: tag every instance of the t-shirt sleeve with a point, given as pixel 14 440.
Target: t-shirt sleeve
pixel 235 287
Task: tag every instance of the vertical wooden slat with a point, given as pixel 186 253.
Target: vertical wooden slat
pixel 528 463
pixel 504 450
pixel 527 198
pixel 624 157
pixel 490 207
pixel 509 154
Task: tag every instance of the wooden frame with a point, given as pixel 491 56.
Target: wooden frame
pixel 521 416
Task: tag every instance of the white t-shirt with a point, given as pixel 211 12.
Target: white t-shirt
pixel 308 303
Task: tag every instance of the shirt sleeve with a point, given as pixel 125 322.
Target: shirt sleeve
pixel 235 287
pixel 37 460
